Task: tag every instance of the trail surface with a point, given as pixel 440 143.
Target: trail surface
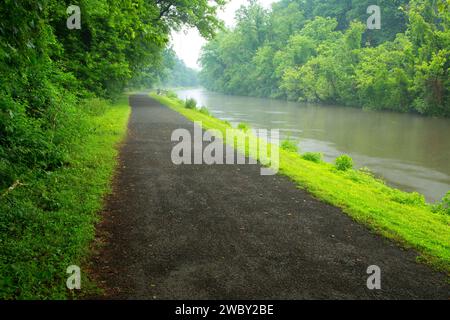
pixel 226 232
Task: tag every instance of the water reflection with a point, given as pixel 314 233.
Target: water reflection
pixel 409 151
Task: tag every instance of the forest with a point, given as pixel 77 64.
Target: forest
pixel 176 73
pixel 323 51
pixel 47 69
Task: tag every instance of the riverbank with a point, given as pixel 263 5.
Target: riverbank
pixel 400 216
pixel 396 147
pixel 48 220
pixel 227 232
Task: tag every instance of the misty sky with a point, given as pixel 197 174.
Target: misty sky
pixel 187 43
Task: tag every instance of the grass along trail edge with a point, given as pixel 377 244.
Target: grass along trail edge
pixel 52 217
pixel 403 217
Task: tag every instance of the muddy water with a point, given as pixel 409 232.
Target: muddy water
pixel 409 151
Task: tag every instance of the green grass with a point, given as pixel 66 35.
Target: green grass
pixel 48 221
pixel 190 103
pixel 204 110
pixel 243 126
pixel 344 162
pixel 289 145
pixel 400 216
pixel 313 156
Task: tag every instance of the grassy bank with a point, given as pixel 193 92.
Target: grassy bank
pixel 401 216
pixel 47 217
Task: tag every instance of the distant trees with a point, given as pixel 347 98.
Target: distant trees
pixel 177 74
pixel 170 72
pixel 322 51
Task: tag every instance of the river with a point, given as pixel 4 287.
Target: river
pixel 408 151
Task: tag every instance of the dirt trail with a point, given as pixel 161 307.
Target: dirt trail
pixel 226 232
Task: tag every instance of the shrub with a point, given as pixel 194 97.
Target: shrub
pixel 289 145
pixel 205 110
pixel 47 214
pixel 95 106
pixel 171 95
pixel 243 126
pixel 344 163
pixel 313 156
pixel 444 205
pixel 190 103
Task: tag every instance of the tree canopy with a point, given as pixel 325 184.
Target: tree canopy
pixel 47 69
pixel 323 51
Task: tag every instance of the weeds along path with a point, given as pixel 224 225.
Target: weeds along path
pixel 226 232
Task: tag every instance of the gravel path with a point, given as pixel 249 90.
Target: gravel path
pixel 226 232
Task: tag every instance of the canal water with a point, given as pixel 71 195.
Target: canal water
pixel 408 151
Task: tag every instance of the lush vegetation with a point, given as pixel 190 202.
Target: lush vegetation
pixel 404 217
pixel 47 220
pixel 289 145
pixel 344 162
pixel 177 73
pixel 313 156
pixel 170 72
pixel 62 111
pixel 190 103
pixel 322 51
pixel 57 132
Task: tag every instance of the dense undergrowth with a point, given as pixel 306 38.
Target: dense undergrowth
pixel 48 215
pixel 324 51
pixel 401 216
pixel 59 63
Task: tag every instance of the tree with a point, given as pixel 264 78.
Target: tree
pixel 321 51
pixel 47 68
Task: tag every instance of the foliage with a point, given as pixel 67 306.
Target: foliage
pixel 401 216
pixel 321 51
pixel 179 75
pixel 366 171
pixel 344 162
pixel 95 106
pixel 243 126
pixel 289 145
pixel 190 103
pixel 55 150
pixel 226 123
pixel 171 94
pixel 444 205
pixel 47 68
pixel 205 110
pixel 47 220
pixel 313 156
